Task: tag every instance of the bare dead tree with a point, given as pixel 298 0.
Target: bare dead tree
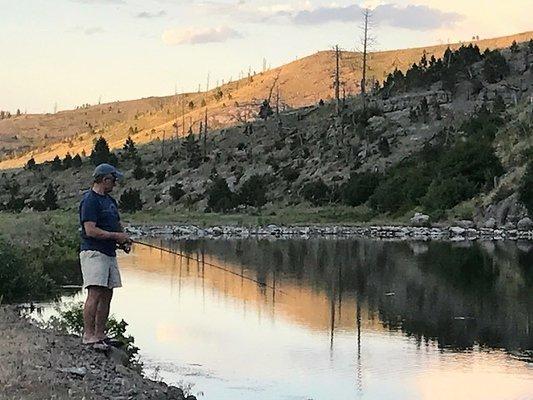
pixel 337 79
pixel 367 41
pixel 205 133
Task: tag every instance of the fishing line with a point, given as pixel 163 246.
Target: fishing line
pixel 209 264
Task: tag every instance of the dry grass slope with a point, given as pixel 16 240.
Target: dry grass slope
pixel 301 83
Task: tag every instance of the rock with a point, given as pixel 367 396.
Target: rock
pixel 118 356
pixel 489 223
pixel 525 224
pixel 457 230
pixel 190 397
pixel 465 223
pixel 420 219
pixel 80 372
pixel 509 226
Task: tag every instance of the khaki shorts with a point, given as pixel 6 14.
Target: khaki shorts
pixel 99 269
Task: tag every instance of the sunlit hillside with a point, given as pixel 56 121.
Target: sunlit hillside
pixel 300 83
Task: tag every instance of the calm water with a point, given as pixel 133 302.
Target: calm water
pixel 349 319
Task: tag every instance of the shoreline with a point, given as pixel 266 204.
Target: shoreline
pixel 453 233
pixel 40 363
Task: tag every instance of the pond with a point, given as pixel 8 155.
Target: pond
pixel 333 318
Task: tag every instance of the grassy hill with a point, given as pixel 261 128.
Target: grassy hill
pixel 301 83
pixel 451 139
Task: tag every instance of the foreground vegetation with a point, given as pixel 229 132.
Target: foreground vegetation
pixel 39 253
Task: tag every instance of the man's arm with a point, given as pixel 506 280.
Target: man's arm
pixel 93 231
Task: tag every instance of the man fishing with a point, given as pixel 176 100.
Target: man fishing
pixel 101 232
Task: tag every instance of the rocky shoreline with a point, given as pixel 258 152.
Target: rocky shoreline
pixel 43 364
pixel 459 232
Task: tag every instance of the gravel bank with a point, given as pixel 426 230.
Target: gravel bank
pixel 42 364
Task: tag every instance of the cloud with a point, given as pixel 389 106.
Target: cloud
pixel 93 30
pixel 179 36
pixel 100 1
pixel 148 15
pixel 87 30
pixel 410 17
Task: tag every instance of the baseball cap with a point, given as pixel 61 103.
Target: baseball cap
pixel 106 169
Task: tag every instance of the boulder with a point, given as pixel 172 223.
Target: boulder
pixel 465 223
pixel 457 230
pixel 525 224
pixel 489 223
pixel 419 219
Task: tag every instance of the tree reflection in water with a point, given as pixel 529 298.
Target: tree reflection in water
pixel 459 295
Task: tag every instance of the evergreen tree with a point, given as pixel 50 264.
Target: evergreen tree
pixel 176 191
pixel 514 47
pixel 130 200
pixel 219 197
pixel 499 105
pixel 253 192
pixel 265 110
pixel 67 161
pixel 530 46
pixel 191 105
pixel 101 154
pixel 76 161
pixel 30 165
pixel 56 164
pixel 424 110
pixel 495 67
pixel 192 150
pixel 50 198
pixel 129 149
pixel 525 191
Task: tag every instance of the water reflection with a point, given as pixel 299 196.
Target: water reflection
pixel 458 295
pixel 339 319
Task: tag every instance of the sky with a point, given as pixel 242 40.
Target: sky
pixel 64 53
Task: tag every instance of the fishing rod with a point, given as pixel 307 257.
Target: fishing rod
pixel 207 263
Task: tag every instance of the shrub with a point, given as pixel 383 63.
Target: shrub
pixel 56 164
pixel 20 280
pixel 130 200
pixel 76 161
pixel 525 190
pixel 130 151
pixel 67 161
pixel 290 174
pixel 177 192
pixel 31 164
pixel 317 193
pixel 253 192
pixel 495 67
pixel 50 198
pixel 160 176
pixel 219 197
pixel 358 189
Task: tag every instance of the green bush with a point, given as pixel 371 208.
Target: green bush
pixel 253 192
pixel 130 200
pixel 317 193
pixel 358 189
pixel 525 190
pixel 70 321
pixel 219 197
pixel 176 191
pixel 495 67
pixel 19 279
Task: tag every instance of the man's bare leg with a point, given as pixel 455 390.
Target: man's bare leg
pixel 89 314
pixel 102 312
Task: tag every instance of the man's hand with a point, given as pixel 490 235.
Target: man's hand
pixel 122 238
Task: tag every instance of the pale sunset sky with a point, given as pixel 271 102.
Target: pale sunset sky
pixel 72 52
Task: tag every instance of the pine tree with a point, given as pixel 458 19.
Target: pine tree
pixel 130 200
pixel 192 151
pixel 31 164
pixel 101 154
pixel 56 164
pixel 499 105
pixel 514 47
pixel 424 110
pixel 67 161
pixel 76 161
pixel 495 67
pixel 50 198
pixel 129 149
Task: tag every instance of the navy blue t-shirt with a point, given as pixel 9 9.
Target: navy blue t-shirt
pixel 102 209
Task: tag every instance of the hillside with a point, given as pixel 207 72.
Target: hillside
pixel 301 83
pixel 456 149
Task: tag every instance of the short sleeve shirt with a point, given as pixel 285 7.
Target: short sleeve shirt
pixel 103 210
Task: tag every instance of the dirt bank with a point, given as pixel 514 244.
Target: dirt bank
pixel 42 364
